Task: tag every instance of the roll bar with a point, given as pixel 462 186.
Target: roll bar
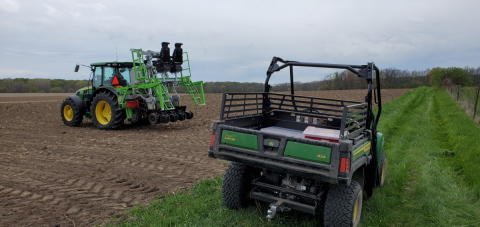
pixel 364 71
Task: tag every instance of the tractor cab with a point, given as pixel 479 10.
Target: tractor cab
pixel 111 74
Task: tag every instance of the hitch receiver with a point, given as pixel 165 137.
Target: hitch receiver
pixel 274 207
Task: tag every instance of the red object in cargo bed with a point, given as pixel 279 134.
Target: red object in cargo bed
pixel 322 134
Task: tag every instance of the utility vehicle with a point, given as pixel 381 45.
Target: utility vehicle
pixel 299 152
pixel 143 91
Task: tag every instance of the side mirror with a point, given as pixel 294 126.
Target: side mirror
pixel 76 68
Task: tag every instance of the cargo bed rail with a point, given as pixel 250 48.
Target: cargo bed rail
pixel 352 115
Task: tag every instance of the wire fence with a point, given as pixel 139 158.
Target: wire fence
pixel 468 97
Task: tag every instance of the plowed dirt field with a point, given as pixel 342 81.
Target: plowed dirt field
pixel 54 175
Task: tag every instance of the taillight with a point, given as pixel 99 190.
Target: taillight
pixel 345 165
pixel 213 140
pixel 133 104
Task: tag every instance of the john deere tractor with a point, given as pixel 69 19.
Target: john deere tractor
pixel 143 91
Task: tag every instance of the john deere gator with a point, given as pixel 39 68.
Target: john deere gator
pixel 301 152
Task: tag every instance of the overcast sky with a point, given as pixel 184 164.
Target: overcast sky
pixel 236 40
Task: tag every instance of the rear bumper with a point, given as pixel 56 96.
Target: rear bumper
pixel 262 191
pixel 280 166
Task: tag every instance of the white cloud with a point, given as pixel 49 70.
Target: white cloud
pixel 98 7
pixel 45 21
pixel 10 6
pixel 49 10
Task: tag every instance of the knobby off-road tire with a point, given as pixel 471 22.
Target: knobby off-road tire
pixel 382 170
pixel 105 112
pixel 236 186
pixel 71 116
pixel 343 206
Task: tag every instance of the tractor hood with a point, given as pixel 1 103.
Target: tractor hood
pixel 81 91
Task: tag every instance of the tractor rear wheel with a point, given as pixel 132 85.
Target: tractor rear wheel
pixel 71 116
pixel 343 205
pixel 105 112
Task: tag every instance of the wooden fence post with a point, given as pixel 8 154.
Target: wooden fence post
pixel 458 92
pixel 476 102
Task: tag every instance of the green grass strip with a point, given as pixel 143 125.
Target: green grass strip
pixel 432 177
pixel 203 206
pixel 422 187
pixel 458 138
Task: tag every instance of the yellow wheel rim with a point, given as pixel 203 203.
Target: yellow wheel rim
pixel 68 112
pixel 103 112
pixel 355 211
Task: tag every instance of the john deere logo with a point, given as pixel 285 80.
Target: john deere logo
pixel 229 137
pixel 321 156
pixel 270 144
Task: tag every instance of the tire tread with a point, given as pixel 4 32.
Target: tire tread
pixel 339 203
pixel 77 117
pixel 117 115
pixel 234 186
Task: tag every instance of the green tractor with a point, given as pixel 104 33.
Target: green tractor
pixel 143 91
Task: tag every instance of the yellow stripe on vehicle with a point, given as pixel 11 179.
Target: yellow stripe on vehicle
pixel 85 88
pixel 365 148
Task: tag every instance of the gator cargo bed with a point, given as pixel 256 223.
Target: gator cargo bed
pixel 274 137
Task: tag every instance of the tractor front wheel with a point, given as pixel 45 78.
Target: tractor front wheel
pixel 105 112
pixel 71 116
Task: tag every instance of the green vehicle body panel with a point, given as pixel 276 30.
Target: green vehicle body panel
pixel 308 152
pixel 380 142
pixel 237 139
pixel 80 92
pixel 363 150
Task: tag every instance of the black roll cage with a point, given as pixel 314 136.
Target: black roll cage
pixel 364 71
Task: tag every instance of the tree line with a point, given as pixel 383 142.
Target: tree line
pixel 25 85
pixel 342 80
